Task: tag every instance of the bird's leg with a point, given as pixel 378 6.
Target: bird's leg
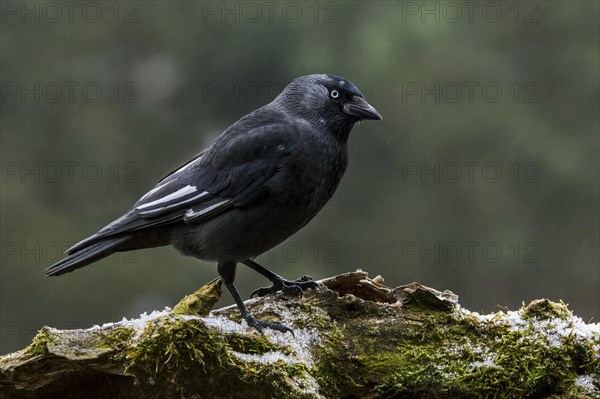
pixel 288 287
pixel 227 273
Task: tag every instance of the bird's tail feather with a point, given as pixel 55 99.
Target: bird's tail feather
pixel 87 255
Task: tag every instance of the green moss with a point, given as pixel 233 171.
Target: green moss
pixel 544 309
pixel 166 340
pixel 333 380
pixel 420 346
pixel 541 369
pixel 202 301
pixel 185 353
pixel 365 349
pixel 116 338
pixel 430 351
pixel 254 344
pixel 436 351
pixel 357 345
pixel 39 345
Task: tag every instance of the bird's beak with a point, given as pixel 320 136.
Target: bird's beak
pixel 361 109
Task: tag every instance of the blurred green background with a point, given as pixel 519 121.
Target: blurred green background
pixel 482 178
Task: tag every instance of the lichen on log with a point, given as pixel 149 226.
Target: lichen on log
pixel 353 337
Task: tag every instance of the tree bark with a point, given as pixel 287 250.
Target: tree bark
pixel 353 337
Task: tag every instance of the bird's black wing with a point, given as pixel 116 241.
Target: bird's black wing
pixel 185 165
pixel 231 173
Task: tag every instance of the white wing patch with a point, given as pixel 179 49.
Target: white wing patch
pixel 169 179
pixel 155 189
pixel 192 215
pixel 177 194
pixel 178 198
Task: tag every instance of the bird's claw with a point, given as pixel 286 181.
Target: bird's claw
pixel 292 288
pixel 260 325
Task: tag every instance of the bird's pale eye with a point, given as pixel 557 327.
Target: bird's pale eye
pixel 334 93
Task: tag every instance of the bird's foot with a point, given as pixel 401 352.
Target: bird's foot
pixel 260 325
pixel 294 287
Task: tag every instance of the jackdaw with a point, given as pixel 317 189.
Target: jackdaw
pixel 260 181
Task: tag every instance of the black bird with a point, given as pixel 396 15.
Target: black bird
pixel 260 181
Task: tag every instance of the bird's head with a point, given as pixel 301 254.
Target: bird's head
pixel 328 100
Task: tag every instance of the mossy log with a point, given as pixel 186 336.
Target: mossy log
pixel 353 338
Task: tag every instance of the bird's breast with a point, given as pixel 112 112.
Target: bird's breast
pixel 312 181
